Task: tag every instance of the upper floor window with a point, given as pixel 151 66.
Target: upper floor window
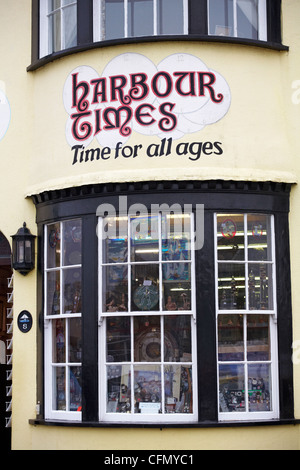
pixel 58 24
pixel 64 24
pixel 115 19
pixel 238 18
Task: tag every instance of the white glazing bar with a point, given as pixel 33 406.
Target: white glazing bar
pixel 125 18
pixel 155 17
pixel 185 17
pixel 235 26
pixel 262 20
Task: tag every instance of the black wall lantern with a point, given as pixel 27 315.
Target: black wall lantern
pixel 23 250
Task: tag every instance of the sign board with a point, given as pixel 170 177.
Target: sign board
pixel 24 321
pixel 181 95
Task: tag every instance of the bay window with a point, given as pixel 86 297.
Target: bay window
pixel 142 324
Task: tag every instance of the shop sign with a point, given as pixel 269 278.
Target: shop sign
pixel 179 96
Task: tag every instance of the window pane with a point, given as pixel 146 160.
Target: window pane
pixel 70 26
pixel 144 238
pixel 176 237
pixel 118 389
pixel 115 239
pixel 72 242
pixel 147 339
pixel 55 32
pixel 258 338
pixel 170 17
pixel 231 388
pixel 259 237
pixel 147 389
pixel 221 17
pixel 118 344
pixel 59 341
pixel 177 338
pixel 114 19
pixel 75 350
pixel 140 18
pixel 178 389
pixel 75 389
pixel 114 282
pixel 259 387
pixel 231 286
pixel 260 286
pixel 53 246
pixel 230 233
pixel 53 293
pixel 72 290
pixel 177 286
pixel 59 388
pixel 144 291
pixel 230 338
pixel 54 4
pixel 247 19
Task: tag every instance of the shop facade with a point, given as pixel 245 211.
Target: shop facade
pixel 154 159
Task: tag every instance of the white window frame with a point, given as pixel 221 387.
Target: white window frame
pixel 250 415
pixel 137 417
pixel 97 26
pixel 262 20
pixel 44 46
pixel 49 366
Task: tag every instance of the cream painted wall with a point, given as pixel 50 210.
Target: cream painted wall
pixel 15 150
pixel 290 75
pixel 57 438
pixel 260 142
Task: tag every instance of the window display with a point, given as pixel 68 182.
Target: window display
pixel 246 338
pixel 127 351
pixel 63 312
pixel 148 321
pixel 159 269
pixel 245 262
pixel 233 349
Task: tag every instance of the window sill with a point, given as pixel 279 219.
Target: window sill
pixel 36 64
pixel 205 424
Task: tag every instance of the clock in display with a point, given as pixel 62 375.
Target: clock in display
pixel 145 297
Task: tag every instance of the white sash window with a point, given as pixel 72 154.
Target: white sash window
pixel 62 320
pixel 147 319
pixel 58 25
pixel 246 316
pixel 114 19
pixel 238 18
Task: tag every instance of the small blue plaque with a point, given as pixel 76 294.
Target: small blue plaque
pixel 25 321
